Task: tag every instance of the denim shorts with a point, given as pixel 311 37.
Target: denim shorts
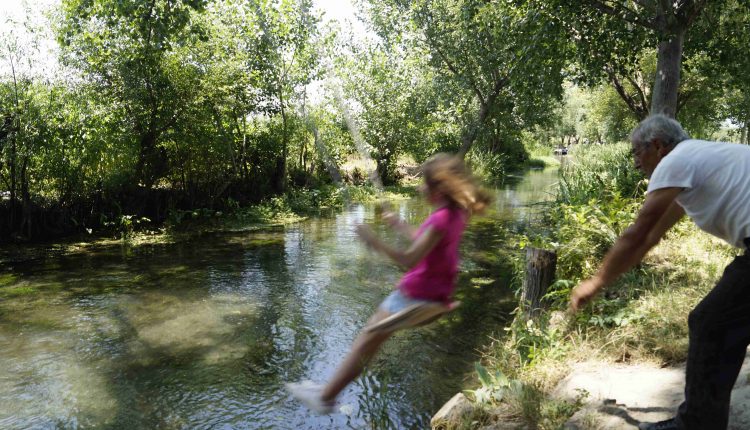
pixel 398 301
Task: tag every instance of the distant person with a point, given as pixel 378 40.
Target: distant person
pixel 425 291
pixel 710 181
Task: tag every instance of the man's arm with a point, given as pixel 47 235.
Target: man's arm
pixel 659 213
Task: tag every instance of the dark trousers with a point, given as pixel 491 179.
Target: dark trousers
pixel 719 336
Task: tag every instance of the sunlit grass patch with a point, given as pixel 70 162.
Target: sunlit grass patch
pixel 479 281
pixel 506 400
pixel 7 279
pixel 543 161
pixel 17 291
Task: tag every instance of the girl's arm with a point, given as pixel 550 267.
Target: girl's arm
pixel 418 249
pixel 399 225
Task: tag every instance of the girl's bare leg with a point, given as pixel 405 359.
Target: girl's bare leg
pixel 364 348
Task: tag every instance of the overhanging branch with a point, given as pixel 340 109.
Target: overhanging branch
pixel 624 13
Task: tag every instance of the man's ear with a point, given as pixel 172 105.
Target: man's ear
pixel 660 148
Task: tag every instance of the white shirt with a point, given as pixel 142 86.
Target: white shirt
pixel 716 181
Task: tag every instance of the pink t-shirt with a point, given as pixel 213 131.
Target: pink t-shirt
pixel 434 277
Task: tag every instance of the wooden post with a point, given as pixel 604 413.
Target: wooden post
pixel 540 271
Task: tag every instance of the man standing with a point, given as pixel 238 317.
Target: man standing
pixel 710 182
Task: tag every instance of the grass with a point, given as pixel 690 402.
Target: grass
pixel 542 161
pixel 541 156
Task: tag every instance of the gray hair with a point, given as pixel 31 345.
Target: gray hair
pixel 659 127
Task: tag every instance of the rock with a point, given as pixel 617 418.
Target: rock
pixel 452 412
pixel 459 411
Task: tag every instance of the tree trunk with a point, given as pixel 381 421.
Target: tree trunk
pixel 471 134
pixel 667 80
pixel 540 271
pixel 14 148
pixel 12 165
pixel 281 166
pixel 25 200
pixel 383 169
pixel 243 155
pixel 151 160
pixel 743 134
pixel 330 164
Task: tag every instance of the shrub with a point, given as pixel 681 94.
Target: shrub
pixel 486 164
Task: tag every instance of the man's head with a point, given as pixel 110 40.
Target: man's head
pixel 653 139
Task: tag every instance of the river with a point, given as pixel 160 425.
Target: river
pixel 202 334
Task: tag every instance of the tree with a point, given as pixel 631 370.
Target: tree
pixel 125 46
pixel 289 55
pixel 19 51
pixel 502 61
pixel 609 34
pixel 726 44
pixel 384 90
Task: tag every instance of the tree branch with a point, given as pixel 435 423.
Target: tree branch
pixel 624 13
pixel 453 69
pixel 627 98
pixel 641 94
pixel 689 11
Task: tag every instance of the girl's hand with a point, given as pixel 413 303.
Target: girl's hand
pixel 391 218
pixel 366 234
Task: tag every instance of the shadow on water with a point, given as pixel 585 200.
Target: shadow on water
pixel 203 334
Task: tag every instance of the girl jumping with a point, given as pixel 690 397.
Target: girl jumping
pixel 425 291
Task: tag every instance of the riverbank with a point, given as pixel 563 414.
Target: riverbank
pixel 291 207
pixel 640 320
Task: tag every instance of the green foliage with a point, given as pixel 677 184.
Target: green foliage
pixel 127 49
pixel 498 81
pixel 534 339
pixel 126 225
pixel 595 204
pixel 599 172
pixel 609 313
pixel 488 165
pixel 586 231
pixel 392 92
pixel 525 402
pixel 174 105
pixel 559 292
pixel 494 387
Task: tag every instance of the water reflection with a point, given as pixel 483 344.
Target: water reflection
pixel 203 334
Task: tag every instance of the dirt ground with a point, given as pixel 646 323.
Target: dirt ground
pixel 622 396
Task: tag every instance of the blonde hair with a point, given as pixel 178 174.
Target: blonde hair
pixel 448 175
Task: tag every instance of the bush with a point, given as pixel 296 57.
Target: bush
pixel 599 172
pixel 486 164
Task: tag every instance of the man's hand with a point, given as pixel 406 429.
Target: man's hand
pixel 659 213
pixel 584 292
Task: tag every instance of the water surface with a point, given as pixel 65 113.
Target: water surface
pixel 203 334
